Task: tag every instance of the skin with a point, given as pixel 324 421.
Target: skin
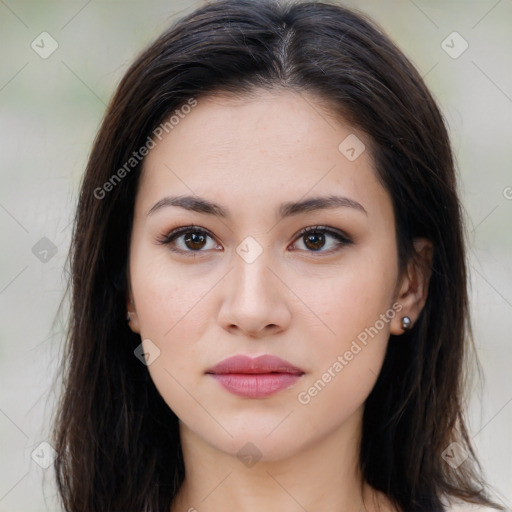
pixel 250 155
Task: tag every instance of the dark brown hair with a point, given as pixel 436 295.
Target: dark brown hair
pixel 117 440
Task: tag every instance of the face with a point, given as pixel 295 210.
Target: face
pixel 243 279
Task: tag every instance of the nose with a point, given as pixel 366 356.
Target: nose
pixel 255 298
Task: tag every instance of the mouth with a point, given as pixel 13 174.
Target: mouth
pixel 255 377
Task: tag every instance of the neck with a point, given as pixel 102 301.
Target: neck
pixel 322 476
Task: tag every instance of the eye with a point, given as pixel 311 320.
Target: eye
pixel 188 239
pixel 315 239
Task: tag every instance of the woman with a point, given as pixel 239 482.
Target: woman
pixel 269 306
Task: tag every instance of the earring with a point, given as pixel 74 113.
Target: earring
pixel 406 323
pixel 128 317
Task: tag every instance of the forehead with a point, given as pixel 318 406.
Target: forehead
pixel 278 125
pixel 263 146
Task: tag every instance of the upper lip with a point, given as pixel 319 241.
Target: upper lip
pixel 260 364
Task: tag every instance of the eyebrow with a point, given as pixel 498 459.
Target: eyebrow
pixel 201 205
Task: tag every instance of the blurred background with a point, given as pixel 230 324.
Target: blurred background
pixel 60 63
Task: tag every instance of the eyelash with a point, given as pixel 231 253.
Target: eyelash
pixel 167 239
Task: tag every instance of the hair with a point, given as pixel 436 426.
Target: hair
pixel 117 440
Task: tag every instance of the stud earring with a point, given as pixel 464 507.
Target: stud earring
pixel 128 317
pixel 406 323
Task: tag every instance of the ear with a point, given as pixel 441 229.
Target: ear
pixel 413 286
pixel 131 311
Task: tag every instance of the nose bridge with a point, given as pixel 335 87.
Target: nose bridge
pixel 251 275
pixel 254 300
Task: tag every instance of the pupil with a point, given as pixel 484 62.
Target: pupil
pixel 319 241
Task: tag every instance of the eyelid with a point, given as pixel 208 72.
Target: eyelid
pixel 338 233
pixel 174 233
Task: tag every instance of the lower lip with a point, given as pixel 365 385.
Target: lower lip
pixel 256 385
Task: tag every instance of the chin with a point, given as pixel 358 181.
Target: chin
pixel 253 435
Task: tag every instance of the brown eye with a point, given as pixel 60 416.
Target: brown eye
pixel 188 239
pixel 315 238
pixel 195 240
pixel 314 241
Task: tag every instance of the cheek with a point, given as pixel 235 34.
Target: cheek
pixel 351 303
pixel 172 314
pixel 168 297
pixel 349 359
pixel 172 310
pixel 352 343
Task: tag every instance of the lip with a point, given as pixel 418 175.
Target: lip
pixel 255 377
